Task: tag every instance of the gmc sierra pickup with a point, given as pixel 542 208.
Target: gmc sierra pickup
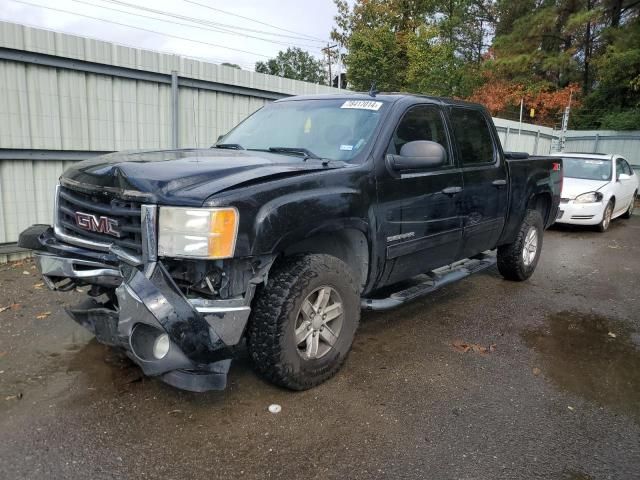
pixel 308 211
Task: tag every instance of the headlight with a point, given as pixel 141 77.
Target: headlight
pixel 197 232
pixel 590 197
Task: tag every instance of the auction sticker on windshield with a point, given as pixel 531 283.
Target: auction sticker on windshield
pixel 362 104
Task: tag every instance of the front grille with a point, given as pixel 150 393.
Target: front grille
pixel 125 213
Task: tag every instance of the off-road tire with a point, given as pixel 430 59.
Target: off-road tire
pixel 604 225
pixel 271 331
pixel 629 211
pixel 510 261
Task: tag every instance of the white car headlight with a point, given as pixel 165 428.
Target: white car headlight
pixel 197 232
pixel 589 197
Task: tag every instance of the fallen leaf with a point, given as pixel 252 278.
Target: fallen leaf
pixel 172 412
pixel 464 347
pixel 570 408
pixel 38 285
pixel 460 346
pixel 612 335
pixel 43 315
pixel 2 354
pixel 13 306
pixel 536 371
pixel 26 273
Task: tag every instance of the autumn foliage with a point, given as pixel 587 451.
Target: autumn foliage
pixel 501 97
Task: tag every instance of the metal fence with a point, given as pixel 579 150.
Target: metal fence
pixel 65 98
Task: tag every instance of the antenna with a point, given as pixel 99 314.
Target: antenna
pixel 373 91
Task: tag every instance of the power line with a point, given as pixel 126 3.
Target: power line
pixel 212 23
pixel 141 28
pixel 164 52
pixel 253 20
pixel 190 19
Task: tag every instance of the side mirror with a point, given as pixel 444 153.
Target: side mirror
pixel 623 176
pixel 418 155
pixel 220 137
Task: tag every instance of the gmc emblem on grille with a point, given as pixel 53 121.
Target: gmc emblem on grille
pixel 93 223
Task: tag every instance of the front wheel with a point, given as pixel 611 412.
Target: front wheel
pixel 606 217
pixel 518 260
pixel 304 321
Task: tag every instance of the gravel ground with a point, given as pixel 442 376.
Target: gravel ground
pixel 558 396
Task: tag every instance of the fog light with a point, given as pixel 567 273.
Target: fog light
pixel 161 346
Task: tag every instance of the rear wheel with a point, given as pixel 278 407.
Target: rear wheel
pixel 304 321
pixel 603 226
pixel 632 205
pixel 518 260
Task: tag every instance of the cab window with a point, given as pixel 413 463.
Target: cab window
pixel 423 122
pixel 472 135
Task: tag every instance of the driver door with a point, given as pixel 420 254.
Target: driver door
pixel 625 185
pixel 420 210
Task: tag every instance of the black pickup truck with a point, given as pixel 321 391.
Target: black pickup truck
pixel 308 211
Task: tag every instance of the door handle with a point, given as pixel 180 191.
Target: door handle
pixel 451 190
pixel 499 183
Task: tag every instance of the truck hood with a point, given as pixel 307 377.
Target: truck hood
pixel 186 176
pixel 572 187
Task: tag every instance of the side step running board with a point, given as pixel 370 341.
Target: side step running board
pixel 430 282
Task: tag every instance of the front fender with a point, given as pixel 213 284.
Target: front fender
pixel 293 217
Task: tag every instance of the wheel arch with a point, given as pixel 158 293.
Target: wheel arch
pixel 541 202
pixel 348 244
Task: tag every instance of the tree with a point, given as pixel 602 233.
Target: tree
pixel 424 46
pixel 615 103
pixel 296 64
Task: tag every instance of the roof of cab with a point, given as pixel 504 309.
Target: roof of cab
pixel 390 97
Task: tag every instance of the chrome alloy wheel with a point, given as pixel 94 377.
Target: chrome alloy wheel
pixel 607 216
pixel 318 323
pixel 530 247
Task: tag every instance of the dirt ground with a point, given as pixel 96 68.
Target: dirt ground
pixel 558 396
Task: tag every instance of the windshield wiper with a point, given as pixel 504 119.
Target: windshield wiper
pixel 229 146
pixel 307 153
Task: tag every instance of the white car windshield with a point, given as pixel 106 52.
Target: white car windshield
pixel 586 168
pixel 330 129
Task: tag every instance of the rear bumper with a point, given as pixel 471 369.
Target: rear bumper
pixel 580 213
pixel 202 333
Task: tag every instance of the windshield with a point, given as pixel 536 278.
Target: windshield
pixel 330 129
pixel 587 168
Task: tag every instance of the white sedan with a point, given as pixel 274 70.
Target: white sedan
pixel 596 189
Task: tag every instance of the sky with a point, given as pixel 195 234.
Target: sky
pixel 226 31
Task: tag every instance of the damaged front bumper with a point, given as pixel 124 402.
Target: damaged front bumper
pixel 149 313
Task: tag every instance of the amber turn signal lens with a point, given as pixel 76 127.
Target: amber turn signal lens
pixel 224 228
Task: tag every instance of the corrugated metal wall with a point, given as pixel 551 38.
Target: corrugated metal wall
pixel 64 97
pixel 626 144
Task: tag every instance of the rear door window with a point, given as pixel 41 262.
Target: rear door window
pixel 472 136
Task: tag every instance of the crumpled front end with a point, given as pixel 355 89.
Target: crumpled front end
pixel 139 302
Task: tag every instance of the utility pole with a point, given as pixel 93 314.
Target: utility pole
pixel 565 123
pixel 329 53
pixel 520 124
